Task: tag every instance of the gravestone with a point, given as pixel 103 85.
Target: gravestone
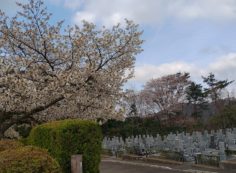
pixel 212 142
pixel 222 151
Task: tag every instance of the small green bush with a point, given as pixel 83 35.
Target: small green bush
pixel 206 160
pixel 225 119
pixel 7 144
pixel 27 160
pixel 230 152
pixel 69 137
pixel 172 155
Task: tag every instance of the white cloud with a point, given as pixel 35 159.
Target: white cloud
pixel 73 4
pixel 151 12
pixel 223 67
pixel 80 16
pixel 154 11
pixel 148 71
pixel 208 9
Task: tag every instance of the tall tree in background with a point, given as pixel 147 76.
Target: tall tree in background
pixel 135 104
pixel 129 102
pixel 166 94
pixel 215 88
pixel 47 73
pixel 196 98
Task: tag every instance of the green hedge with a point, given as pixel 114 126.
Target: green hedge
pixel 69 137
pixel 134 126
pixel 27 160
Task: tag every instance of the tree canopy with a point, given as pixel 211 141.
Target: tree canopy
pixel 49 72
pixel 215 86
pixel 197 97
pixel 166 93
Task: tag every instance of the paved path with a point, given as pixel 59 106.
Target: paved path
pixel 120 166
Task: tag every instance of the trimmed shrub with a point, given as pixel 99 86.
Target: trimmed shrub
pixel 69 137
pixel 27 160
pixel 7 144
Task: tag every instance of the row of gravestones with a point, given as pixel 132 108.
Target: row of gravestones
pixel 213 143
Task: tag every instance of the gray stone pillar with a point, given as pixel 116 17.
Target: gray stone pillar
pixel 222 151
pixel 76 164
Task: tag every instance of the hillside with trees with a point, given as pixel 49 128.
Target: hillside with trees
pixel 175 103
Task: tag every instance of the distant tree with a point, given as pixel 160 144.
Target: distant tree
pixel 48 72
pixel 133 126
pixel 129 102
pixel 166 94
pixel 215 88
pixel 226 118
pixel 197 98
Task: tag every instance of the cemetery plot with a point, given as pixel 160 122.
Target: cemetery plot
pixel 199 147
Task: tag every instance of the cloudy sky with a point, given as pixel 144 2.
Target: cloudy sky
pixel 197 36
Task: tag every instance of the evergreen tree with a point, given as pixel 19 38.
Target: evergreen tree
pixel 215 86
pixel 196 97
pixel 214 89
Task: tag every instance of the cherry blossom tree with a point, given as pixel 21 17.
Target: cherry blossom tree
pixel 166 94
pixel 48 72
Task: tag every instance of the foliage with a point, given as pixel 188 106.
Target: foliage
pixel 138 126
pixel 196 96
pixel 69 137
pixel 48 72
pixel 225 119
pixel 230 152
pixel 130 102
pixel 27 159
pixel 165 94
pixel 172 155
pixel 7 144
pixel 215 86
pixel 208 160
pixel 172 95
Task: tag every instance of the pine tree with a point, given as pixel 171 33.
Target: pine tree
pixel 195 96
pixel 214 88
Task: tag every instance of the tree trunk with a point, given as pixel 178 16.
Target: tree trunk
pixel 9 120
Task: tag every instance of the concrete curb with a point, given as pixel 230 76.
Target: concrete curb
pixel 137 164
pixel 205 166
pixel 151 160
pixel 228 165
pixel 197 171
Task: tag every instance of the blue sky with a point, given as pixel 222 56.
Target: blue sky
pixel 197 36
